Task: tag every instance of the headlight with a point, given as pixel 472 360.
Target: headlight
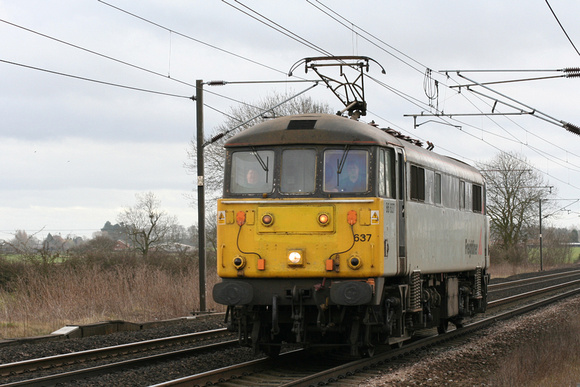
pixel 295 257
pixel 239 262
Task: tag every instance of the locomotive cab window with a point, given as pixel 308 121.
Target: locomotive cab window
pixel 298 171
pixel 417 183
pixel 346 170
pixel 387 173
pixel 252 172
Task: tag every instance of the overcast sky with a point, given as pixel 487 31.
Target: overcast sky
pixel 74 152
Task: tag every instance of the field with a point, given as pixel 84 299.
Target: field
pixel 37 299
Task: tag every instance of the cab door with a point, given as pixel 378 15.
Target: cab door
pixel 401 220
pixel 388 191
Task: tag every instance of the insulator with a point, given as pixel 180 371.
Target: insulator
pixel 571 128
pixel 572 72
pixel 216 83
pixel 217 137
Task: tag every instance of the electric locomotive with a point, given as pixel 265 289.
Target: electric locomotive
pixel 332 231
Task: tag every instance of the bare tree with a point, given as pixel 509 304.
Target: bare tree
pixel 214 155
pixel 146 225
pixel 23 243
pixel 514 191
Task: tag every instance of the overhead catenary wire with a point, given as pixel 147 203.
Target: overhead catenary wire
pixel 304 41
pixel 277 27
pixel 132 65
pixel 403 95
pixel 346 24
pixel 571 71
pixel 562 27
pixel 94 52
pixel 96 80
pixel 192 38
pixel 397 92
pixel 524 143
pixel 220 135
pixel 535 112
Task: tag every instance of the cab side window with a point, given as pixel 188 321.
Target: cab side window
pixel 417 183
pixel 386 173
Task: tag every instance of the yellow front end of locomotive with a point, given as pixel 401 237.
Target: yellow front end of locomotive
pixel 299 238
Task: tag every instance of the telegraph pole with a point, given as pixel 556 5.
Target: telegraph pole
pixel 200 193
pixel 541 246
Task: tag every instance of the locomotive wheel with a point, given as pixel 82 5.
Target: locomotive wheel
pixel 458 322
pixel 397 345
pixel 443 326
pixel 367 351
pixel 271 350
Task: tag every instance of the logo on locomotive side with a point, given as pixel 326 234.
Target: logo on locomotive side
pixel 471 248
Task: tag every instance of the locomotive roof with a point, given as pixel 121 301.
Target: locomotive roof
pixel 328 129
pixel 308 129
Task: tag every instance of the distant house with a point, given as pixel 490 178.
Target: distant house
pixel 121 246
pixel 53 243
pixel 58 243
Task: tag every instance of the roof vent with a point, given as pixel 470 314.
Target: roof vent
pixel 301 124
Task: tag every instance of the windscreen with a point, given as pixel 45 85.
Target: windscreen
pixel 345 170
pixel 252 172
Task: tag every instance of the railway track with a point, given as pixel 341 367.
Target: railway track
pixel 126 355
pixel 518 284
pixel 288 369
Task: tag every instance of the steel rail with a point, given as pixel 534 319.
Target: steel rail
pixel 532 293
pixel 118 366
pixel 101 353
pixel 517 283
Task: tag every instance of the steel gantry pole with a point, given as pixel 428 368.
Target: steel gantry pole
pixel 200 194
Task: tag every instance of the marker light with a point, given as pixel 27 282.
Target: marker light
pixel 323 219
pixel 239 262
pixel 295 257
pixel 267 220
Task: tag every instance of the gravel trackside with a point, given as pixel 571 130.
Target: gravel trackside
pixel 479 360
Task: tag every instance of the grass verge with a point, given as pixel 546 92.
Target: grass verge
pixel 41 299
